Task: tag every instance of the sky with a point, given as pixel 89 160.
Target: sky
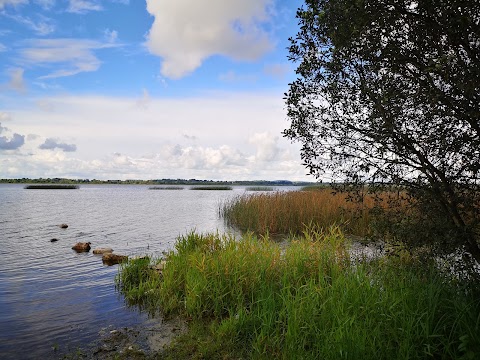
pixel 147 89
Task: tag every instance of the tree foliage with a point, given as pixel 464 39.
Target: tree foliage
pixel 388 92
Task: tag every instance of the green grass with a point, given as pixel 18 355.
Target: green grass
pixel 305 301
pixel 212 187
pixel 52 187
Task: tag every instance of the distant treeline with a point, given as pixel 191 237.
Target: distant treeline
pixel 156 182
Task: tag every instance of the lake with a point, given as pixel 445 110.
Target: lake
pixel 54 298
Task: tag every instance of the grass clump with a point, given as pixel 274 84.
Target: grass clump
pixel 211 188
pixel 140 284
pixel 308 301
pixel 288 212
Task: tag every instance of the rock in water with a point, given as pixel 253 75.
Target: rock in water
pixel 53 240
pixel 63 226
pixel 81 247
pixel 102 250
pixel 112 259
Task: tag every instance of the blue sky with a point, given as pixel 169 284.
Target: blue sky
pixel 135 89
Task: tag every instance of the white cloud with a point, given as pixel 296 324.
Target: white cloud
pixel 12 142
pixel 185 33
pixel 4 116
pixel 46 4
pixel 16 82
pixel 144 100
pixel 2 48
pixel 83 6
pixel 4 3
pixel 111 36
pixel 76 55
pixel 42 27
pixel 52 144
pixel 266 144
pixel 214 136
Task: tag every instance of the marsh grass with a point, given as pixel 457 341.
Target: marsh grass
pixel 139 284
pixel 288 212
pixel 308 301
pixel 52 187
pixel 211 188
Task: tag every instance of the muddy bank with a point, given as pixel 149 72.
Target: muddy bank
pixel 142 342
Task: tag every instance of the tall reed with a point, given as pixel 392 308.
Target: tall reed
pixel 289 212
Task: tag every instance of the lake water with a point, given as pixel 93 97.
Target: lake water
pixel 52 297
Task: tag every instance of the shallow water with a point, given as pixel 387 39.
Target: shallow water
pixel 53 298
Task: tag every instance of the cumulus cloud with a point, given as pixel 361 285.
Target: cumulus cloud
pixel 10 143
pixel 203 158
pixel 4 117
pixel 266 144
pixel 83 6
pixel 76 55
pixel 190 137
pixel 120 159
pixel 185 33
pixel 4 3
pixel 52 144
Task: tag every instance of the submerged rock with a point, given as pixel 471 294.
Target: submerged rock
pixel 53 240
pixel 100 251
pixel 112 259
pixel 82 247
pixel 63 226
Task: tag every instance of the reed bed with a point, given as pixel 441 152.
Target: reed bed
pixel 211 188
pixel 308 301
pixel 166 188
pixel 52 187
pixel 289 212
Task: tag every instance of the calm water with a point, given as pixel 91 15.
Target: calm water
pixel 52 296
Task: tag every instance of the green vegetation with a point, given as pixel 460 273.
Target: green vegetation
pixel 289 212
pixel 252 299
pixel 52 187
pixel 166 188
pixel 391 96
pixel 211 187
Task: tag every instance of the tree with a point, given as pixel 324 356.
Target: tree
pixel 388 92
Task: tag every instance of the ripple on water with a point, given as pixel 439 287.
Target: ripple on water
pixel 51 295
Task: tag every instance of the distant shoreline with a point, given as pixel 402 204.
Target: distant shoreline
pixel 64 181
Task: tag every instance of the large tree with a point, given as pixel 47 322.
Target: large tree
pixel 389 92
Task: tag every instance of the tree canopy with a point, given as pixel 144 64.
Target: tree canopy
pixel 388 92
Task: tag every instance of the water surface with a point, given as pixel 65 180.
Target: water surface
pixel 52 297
